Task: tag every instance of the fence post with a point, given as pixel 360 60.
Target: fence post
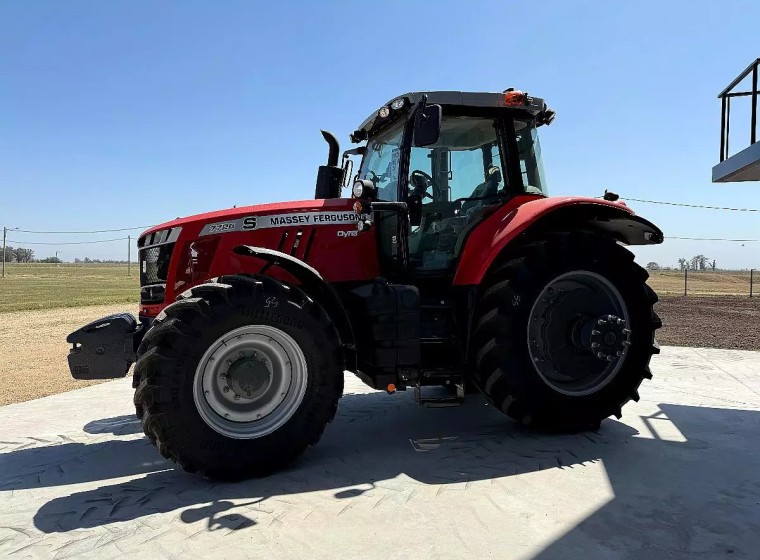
pixel 5 232
pixel 685 279
pixel 751 280
pixel 129 255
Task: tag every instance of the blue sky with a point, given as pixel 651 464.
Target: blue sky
pixel 118 114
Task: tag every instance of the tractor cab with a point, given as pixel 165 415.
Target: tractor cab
pixel 441 162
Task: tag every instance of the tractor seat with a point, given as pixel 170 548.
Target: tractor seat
pixel 490 187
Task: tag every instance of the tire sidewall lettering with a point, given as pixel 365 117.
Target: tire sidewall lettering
pixel 271 315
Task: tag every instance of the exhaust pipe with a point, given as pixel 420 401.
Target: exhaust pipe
pixel 330 176
pixel 332 158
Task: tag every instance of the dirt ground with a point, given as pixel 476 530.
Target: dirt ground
pixel 731 322
pixel 33 350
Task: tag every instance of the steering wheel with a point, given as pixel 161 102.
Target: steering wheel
pixel 421 182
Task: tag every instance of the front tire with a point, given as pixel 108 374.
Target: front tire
pixel 564 332
pixel 238 377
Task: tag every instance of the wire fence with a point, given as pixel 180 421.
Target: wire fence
pixel 688 282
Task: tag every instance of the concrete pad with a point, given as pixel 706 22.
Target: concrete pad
pixel 679 477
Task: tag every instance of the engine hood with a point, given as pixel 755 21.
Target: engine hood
pixel 198 221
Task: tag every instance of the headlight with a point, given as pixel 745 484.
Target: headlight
pixel 364 188
pixel 397 103
pixel 358 189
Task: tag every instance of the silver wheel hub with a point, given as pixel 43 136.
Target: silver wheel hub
pixel 250 382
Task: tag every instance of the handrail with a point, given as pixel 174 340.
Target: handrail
pixel 725 97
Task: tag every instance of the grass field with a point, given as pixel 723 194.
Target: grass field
pixel 50 286
pixel 729 283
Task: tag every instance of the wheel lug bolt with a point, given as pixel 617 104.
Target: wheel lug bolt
pixel 599 355
pixel 237 397
pixel 206 392
pixel 258 416
pixel 241 354
pixel 226 415
pixel 228 362
pixel 594 345
pixel 226 389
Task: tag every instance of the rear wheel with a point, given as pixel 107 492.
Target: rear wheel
pixel 238 377
pixel 564 332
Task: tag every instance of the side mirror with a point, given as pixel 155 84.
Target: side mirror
pixel 348 169
pixel 427 129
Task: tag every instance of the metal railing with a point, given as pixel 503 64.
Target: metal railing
pixel 726 95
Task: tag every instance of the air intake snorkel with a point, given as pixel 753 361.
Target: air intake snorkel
pixel 330 176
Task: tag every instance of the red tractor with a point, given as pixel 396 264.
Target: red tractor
pixel 449 268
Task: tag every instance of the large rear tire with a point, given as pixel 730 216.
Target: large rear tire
pixel 564 332
pixel 238 377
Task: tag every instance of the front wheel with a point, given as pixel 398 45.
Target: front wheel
pixel 565 332
pixel 238 377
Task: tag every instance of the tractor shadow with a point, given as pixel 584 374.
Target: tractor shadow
pixel 668 493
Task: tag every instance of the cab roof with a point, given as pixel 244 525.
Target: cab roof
pixel 534 107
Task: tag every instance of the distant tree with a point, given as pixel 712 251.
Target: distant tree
pixel 87 260
pixel 653 266
pixel 683 264
pixel 77 261
pixel 51 260
pixel 713 265
pixel 8 253
pixel 23 255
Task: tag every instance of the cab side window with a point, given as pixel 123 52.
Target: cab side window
pixel 454 178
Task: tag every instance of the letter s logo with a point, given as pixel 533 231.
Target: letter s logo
pixel 249 222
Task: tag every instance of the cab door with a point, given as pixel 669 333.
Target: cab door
pixel 453 182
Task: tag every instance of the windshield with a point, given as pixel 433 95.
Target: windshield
pixel 380 162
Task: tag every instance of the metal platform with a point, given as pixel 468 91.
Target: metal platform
pixel 744 165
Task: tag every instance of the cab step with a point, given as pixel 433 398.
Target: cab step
pixel 438 396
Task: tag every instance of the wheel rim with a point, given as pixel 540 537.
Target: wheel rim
pixel 578 333
pixel 250 382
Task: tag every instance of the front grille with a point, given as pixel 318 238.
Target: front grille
pixel 154 264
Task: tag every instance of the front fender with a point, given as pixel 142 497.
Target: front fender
pixel 522 219
pixel 312 282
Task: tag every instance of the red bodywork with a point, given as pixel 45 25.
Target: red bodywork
pixel 498 230
pixel 337 258
pixel 348 256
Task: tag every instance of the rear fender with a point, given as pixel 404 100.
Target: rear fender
pixel 512 224
pixel 312 282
